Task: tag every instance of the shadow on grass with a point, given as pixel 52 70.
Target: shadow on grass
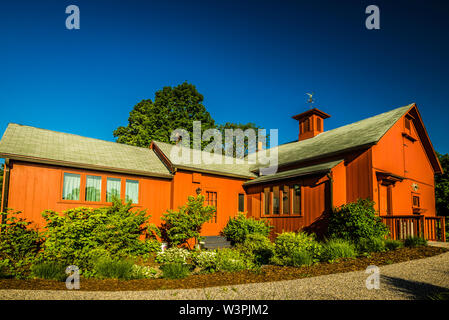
pixel 418 290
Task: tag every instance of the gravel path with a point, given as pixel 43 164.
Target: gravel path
pixel 414 279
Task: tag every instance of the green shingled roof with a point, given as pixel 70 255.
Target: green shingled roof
pixel 352 136
pixel 39 145
pixel 315 169
pixel 223 168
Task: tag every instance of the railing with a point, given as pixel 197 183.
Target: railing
pixel 401 227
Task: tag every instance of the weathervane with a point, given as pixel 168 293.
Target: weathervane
pixel 310 100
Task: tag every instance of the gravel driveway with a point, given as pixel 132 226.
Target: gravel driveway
pixel 407 280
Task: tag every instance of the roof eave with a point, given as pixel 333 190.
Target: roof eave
pixel 83 165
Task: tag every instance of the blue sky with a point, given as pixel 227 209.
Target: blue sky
pixel 252 60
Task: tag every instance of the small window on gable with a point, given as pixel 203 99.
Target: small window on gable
pixel 407 124
pixel 416 202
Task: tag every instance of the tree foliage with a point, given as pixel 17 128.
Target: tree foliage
pixel 180 226
pixel 442 186
pixel 172 108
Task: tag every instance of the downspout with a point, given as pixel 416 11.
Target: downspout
pixel 5 191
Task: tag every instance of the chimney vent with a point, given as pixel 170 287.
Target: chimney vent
pixel 310 123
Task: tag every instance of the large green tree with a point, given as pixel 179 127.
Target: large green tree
pixel 172 108
pixel 442 186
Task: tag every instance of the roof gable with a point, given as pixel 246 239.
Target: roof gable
pixel 349 137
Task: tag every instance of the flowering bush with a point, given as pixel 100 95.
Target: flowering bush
pixel 144 272
pixel 206 260
pixel 173 255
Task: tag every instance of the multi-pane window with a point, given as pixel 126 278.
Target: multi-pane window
pixel 285 199
pixel 241 202
pixel 113 186
pixel 267 200
pixel 296 201
pixel 276 205
pixel 71 186
pixel 93 188
pixel 132 191
pixel 211 200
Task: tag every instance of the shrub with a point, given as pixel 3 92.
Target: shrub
pixel 415 242
pixel 173 255
pixel 175 270
pixel 231 260
pixel 338 248
pixel 49 270
pixel 72 236
pixel 367 245
pixel 355 221
pixel 258 248
pixel 19 245
pixel 301 257
pixel 287 243
pixel 206 260
pixel 238 228
pixel 108 268
pixel 180 226
pixel 393 244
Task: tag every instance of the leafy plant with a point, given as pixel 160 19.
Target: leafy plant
pixel 238 228
pixel 258 248
pixel 287 243
pixel 19 244
pixel 49 270
pixel 173 255
pixel 338 248
pixel 206 260
pixel 355 221
pixel 108 268
pixel 143 272
pixel 231 260
pixel 301 258
pixel 180 226
pixel 415 242
pixel 391 244
pixel 373 244
pixel 175 270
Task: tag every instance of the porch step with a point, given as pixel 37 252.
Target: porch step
pixel 215 242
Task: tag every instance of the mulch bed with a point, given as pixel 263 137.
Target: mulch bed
pixel 266 274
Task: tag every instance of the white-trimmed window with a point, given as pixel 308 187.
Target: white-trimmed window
pixel 113 186
pixel 71 186
pixel 132 191
pixel 93 188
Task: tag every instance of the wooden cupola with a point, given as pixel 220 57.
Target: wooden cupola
pixel 310 123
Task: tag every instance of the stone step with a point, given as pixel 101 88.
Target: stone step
pixel 215 242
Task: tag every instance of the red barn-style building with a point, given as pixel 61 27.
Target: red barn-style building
pixel 387 158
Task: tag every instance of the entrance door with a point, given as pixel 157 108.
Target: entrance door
pixel 384 199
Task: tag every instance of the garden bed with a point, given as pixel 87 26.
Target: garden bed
pixel 265 274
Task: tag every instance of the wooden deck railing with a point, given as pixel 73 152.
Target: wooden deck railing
pixel 401 227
